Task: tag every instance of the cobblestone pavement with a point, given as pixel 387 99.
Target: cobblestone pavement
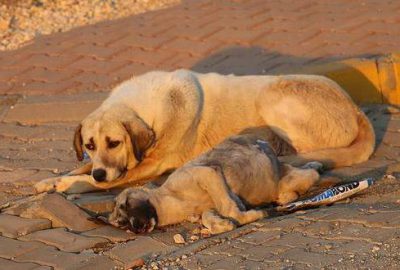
pixel 62 78
pixel 253 37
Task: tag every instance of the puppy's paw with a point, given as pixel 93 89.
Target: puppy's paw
pixel 287 197
pixel 221 226
pixel 215 223
pixel 256 214
pixel 315 165
pixel 193 218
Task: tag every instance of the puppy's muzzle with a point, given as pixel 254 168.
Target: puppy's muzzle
pixel 99 175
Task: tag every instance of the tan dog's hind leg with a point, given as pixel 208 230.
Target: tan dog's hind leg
pixel 295 182
pixel 213 182
pixel 215 223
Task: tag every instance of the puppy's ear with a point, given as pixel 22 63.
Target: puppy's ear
pixel 78 143
pixel 141 135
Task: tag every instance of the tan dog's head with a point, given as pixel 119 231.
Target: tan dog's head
pixel 116 141
pixel 134 211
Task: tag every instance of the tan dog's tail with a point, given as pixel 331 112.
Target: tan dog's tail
pixel 358 151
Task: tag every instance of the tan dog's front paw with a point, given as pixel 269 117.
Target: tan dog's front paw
pixel 49 184
pixel 67 184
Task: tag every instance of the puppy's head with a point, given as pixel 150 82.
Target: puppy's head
pixel 116 140
pixel 134 211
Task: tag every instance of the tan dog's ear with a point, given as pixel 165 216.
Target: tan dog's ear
pixel 78 143
pixel 142 137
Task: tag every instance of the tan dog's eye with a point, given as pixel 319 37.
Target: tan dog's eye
pixel 113 144
pixel 89 146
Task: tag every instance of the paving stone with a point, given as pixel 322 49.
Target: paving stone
pixel 12 226
pixel 231 247
pixel 98 262
pixel 97 203
pixel 354 215
pixel 50 112
pixel 10 248
pixel 53 164
pixel 36 133
pixel 284 224
pixel 353 247
pixel 291 240
pixel 51 257
pixel 260 237
pixel 11 265
pixel 201 260
pixel 37 155
pixel 300 255
pixel 18 207
pixel 111 233
pixel 142 246
pixel 227 263
pixel 340 230
pixel 166 235
pixel 65 241
pixel 63 213
pixel 36 145
pixel 317 229
pixel 26 176
pixel 264 253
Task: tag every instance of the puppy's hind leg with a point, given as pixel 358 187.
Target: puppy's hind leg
pixel 215 223
pixel 213 182
pixel 295 182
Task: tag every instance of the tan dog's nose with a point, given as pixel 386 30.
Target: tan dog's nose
pixel 99 175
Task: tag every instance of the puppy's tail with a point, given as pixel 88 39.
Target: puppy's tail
pixel 358 151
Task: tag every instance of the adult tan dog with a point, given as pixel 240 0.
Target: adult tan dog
pixel 156 122
pixel 222 186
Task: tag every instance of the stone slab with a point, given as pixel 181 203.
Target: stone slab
pixel 96 203
pixel 99 262
pixel 12 265
pixel 49 256
pixel 64 213
pixel 111 233
pixel 311 259
pixel 142 246
pixel 65 241
pixel 37 132
pixel 13 226
pixel 10 248
pixel 50 112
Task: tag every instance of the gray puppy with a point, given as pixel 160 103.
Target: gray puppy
pixel 222 186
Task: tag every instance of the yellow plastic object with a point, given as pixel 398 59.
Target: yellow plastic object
pixel 359 77
pixel 389 74
pixel 367 80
